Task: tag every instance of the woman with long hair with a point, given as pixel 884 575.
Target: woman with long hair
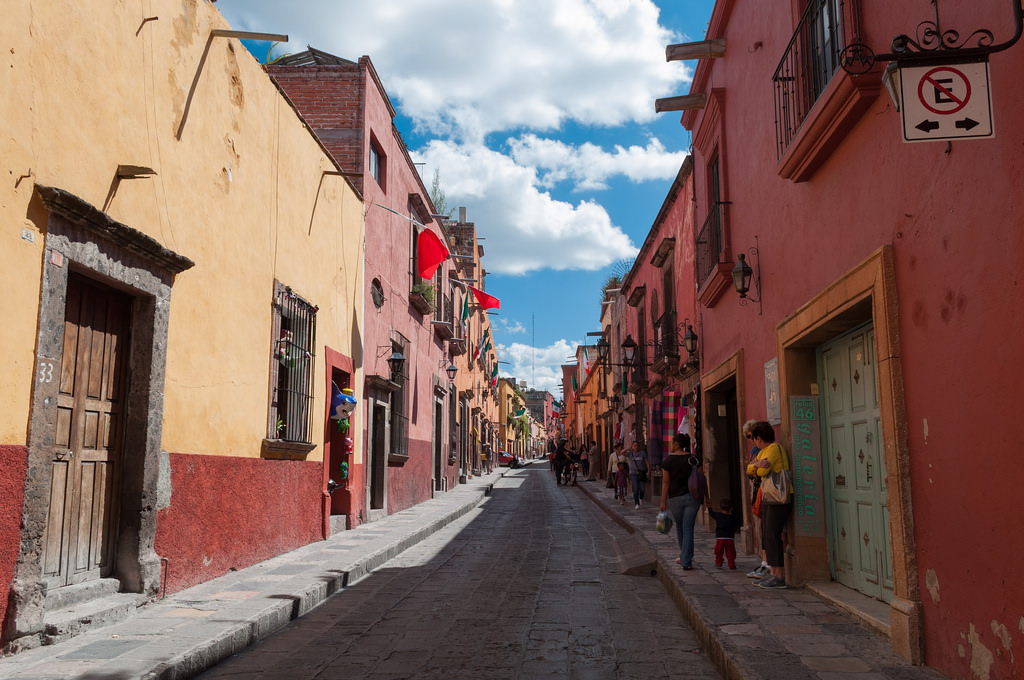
pixel 675 495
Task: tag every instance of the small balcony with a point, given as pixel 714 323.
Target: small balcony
pixel 444 318
pixel 812 57
pixel 709 244
pixel 666 347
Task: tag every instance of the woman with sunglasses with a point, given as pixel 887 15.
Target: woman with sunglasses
pixel 771 458
pixel 761 571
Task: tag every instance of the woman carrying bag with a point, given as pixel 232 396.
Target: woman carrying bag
pixel 773 468
pixel 676 497
pixel 613 464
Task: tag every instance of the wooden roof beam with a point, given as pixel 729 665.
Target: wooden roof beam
pixel 696 50
pixel 683 103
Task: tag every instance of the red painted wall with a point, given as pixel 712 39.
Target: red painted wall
pixel 228 513
pixel 13 464
pixel 952 214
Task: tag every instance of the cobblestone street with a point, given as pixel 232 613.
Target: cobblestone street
pixel 528 585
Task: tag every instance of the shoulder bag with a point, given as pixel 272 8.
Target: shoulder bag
pixel 776 487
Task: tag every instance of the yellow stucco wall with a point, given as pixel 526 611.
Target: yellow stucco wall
pixel 90 85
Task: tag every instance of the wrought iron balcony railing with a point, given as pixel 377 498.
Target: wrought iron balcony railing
pixel 709 244
pixel 666 345
pixel 811 59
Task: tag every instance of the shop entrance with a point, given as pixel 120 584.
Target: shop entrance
pixel 859 552
pixel 724 457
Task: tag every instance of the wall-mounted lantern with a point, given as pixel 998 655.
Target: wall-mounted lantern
pixel 743 275
pixel 396 362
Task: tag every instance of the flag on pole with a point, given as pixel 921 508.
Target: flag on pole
pixel 480 346
pixel 586 361
pixel 494 375
pixel 486 301
pixel 465 305
pixel 430 252
pixel 575 387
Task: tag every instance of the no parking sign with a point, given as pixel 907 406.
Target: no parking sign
pixel 946 101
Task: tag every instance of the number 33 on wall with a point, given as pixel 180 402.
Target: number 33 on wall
pixel 46 370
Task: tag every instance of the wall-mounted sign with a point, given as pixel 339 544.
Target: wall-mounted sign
pixel 773 405
pixel 946 101
pixel 809 492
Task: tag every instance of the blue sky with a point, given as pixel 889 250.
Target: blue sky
pixel 539 117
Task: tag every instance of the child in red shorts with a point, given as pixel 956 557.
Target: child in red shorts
pixel 725 533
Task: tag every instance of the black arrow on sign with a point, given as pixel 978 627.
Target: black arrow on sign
pixel 927 125
pixel 967 123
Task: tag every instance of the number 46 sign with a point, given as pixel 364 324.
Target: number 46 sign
pixel 946 101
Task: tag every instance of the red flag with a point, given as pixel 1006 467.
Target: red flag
pixel 430 252
pixel 486 301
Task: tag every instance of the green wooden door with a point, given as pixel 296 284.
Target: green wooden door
pixel 854 469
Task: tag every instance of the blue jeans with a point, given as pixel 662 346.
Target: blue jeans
pixel 684 513
pixel 638 488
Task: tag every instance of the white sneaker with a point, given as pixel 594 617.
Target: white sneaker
pixel 759 573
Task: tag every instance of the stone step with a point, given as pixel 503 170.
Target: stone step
pixel 64 623
pixel 68 596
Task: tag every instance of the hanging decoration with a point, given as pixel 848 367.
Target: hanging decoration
pixel 342 402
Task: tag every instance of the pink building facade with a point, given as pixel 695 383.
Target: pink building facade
pixel 407 429
pixel 878 334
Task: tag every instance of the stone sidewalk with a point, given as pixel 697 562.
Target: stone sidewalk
pixel 751 633
pixel 191 630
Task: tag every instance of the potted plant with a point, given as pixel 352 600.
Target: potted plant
pixel 422 297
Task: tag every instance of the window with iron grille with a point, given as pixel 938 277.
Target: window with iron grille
pixel 292 367
pixel 399 419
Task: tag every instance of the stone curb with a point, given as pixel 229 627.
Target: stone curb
pixel 275 617
pixel 230 630
pixel 690 609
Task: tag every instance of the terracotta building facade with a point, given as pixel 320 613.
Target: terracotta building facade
pixel 872 327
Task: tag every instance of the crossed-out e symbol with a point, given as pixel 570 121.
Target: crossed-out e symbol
pixel 951 90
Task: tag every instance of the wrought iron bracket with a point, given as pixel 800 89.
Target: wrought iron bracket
pixel 932 43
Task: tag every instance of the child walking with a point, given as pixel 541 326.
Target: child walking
pixel 725 533
pixel 621 478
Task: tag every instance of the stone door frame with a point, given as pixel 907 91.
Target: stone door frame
pixel 83 239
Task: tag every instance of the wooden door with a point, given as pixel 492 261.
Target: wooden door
pixel 88 436
pixel 855 472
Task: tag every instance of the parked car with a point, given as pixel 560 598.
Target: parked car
pixel 505 458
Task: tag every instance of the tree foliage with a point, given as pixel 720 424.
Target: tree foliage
pixel 437 196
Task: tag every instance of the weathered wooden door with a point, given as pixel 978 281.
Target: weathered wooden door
pixel 88 435
pixel 855 472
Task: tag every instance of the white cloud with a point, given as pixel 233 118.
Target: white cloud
pixel 589 166
pixel 465 68
pixel 461 69
pixel 511 327
pixel 526 229
pixel 540 367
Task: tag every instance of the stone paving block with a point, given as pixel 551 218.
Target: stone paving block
pixel 845 664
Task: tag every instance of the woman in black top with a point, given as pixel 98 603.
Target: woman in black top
pixel 675 494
